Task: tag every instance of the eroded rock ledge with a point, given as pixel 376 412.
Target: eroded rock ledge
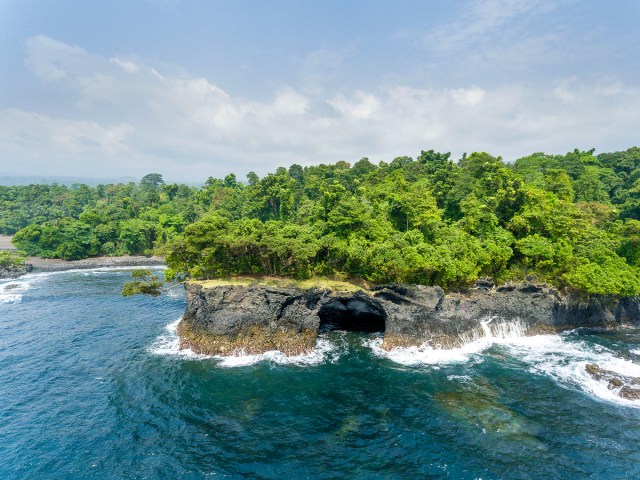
pixel 228 318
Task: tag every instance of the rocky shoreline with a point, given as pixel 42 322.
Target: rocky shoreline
pixel 56 265
pixel 227 319
pixel 15 272
pixel 37 264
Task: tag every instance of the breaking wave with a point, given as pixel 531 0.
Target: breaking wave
pixel 328 348
pixel 561 357
pixel 564 359
pixel 11 291
pixel 472 344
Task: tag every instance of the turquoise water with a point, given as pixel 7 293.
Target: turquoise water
pixel 92 386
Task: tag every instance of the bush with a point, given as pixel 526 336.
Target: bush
pixel 144 282
pixel 9 259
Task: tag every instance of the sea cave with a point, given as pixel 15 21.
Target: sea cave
pixel 353 315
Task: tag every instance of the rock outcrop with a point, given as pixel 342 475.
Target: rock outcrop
pixel 255 319
pixel 15 272
pixel 624 386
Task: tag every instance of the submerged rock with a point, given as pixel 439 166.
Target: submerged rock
pixel 625 387
pixel 225 319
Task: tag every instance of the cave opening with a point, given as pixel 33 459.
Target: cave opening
pixel 351 315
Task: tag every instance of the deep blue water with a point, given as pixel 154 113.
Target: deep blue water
pixel 91 386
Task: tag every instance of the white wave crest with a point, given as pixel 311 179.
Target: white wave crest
pixel 95 270
pixel 10 298
pixel 472 343
pixel 11 291
pixel 564 359
pixel 326 350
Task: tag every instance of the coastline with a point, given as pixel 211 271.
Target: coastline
pixel 5 242
pixel 57 265
pixel 39 264
pixel 222 318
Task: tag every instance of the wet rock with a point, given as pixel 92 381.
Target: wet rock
pixel 15 272
pixel 625 387
pixel 629 393
pixel 256 317
pixel 485 283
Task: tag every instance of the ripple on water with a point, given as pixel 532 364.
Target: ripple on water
pixel 89 390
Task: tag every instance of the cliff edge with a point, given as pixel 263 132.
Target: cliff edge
pixel 224 319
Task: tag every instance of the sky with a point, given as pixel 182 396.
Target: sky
pixel 192 89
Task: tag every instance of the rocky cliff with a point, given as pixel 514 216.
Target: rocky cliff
pixel 255 318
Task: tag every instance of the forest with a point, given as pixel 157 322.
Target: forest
pixel 570 220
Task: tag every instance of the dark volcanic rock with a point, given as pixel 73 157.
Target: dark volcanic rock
pixel 257 318
pixel 625 387
pixel 227 310
pixel 15 272
pixel 253 319
pixel 413 312
pixel 417 313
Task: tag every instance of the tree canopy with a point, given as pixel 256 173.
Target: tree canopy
pixel 572 220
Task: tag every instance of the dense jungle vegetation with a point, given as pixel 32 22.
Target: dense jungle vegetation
pixel 572 220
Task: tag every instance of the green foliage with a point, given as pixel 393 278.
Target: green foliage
pixel 572 220
pixel 141 273
pixel 10 258
pixel 144 282
pixel 107 220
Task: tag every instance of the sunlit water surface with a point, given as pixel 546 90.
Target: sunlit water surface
pixel 92 385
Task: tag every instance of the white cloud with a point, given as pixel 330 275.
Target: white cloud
pixel 361 106
pixel 469 96
pixel 127 66
pixel 50 58
pixel 503 40
pixel 290 102
pixel 188 128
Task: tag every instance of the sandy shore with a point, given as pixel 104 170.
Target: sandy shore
pixel 5 242
pixel 55 265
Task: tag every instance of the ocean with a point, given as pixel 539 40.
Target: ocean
pixel 93 386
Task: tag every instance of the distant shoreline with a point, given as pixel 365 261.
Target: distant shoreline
pixel 56 265
pixel 5 242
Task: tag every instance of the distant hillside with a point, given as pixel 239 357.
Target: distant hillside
pixel 11 180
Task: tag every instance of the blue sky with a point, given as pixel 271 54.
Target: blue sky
pixel 192 89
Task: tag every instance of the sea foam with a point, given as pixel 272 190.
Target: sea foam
pixel 564 359
pixel 326 350
pixel 561 357
pixel 11 291
pixel 491 332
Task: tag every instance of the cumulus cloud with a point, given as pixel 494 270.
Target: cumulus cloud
pixel 361 105
pixel 131 118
